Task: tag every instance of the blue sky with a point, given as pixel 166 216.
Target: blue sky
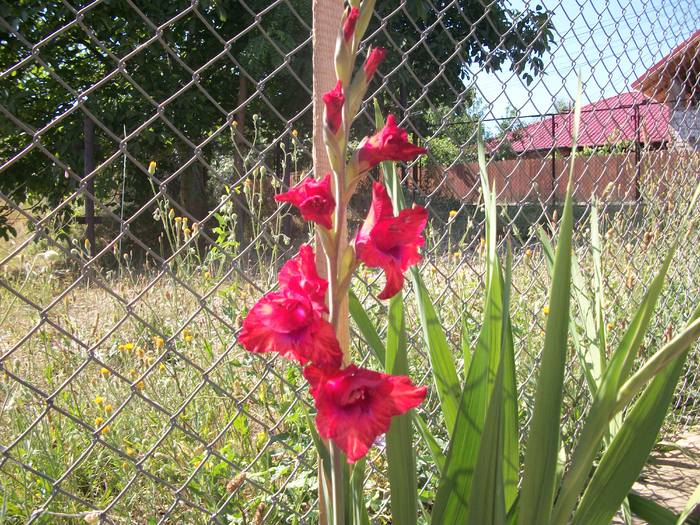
pixel 612 42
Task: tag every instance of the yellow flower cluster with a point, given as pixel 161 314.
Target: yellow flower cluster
pixel 125 347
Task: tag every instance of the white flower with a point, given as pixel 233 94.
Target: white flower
pixel 50 255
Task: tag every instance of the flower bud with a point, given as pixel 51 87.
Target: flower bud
pixel 333 101
pixel 152 167
pixel 374 58
pixel 350 23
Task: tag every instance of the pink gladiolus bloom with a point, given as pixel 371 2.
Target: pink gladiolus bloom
pixel 314 200
pixel 391 143
pixel 299 275
pixel 350 23
pixel 374 58
pixel 355 405
pixel 388 242
pixel 334 101
pixel 287 323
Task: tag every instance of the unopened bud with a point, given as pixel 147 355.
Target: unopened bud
pixel 152 167
pixel 234 484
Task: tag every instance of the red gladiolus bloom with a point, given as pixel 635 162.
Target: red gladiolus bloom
pixel 287 323
pixel 355 405
pixel 299 275
pixel 334 101
pixel 350 23
pixel 391 143
pixel 374 58
pixel 388 242
pixel 314 200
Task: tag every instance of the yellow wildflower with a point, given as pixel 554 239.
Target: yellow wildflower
pixel 104 372
pixel 545 310
pixel 105 429
pixel 528 253
pixel 99 420
pixel 453 214
pixel 125 347
pixel 611 326
pixel 152 167
pixel 130 451
pixel 295 133
pixel 457 254
pixel 140 385
pixel 161 367
pixel 186 336
pixel 158 342
pixel 99 400
pixel 109 408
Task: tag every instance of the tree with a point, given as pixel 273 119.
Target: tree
pixel 153 80
pixel 238 51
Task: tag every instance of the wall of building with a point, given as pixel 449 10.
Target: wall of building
pixel 685 127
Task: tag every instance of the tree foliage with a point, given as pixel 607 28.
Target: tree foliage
pixel 168 82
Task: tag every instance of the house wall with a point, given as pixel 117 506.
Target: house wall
pixel 685 127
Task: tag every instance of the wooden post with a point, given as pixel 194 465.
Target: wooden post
pixel 637 154
pixel 88 168
pixel 326 15
pixel 286 165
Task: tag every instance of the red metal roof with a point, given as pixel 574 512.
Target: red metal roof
pixel 607 121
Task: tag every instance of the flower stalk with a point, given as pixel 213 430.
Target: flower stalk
pixel 303 320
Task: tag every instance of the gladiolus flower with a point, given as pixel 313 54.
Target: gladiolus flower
pixel 350 23
pixel 314 200
pixel 334 101
pixel 388 242
pixel 299 275
pixel 287 323
pixel 391 143
pixel 355 405
pixel 374 58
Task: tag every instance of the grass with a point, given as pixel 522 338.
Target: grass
pixel 154 411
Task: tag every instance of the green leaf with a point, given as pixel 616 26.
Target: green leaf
pixel 366 327
pixel 488 496
pixel 442 363
pixel 605 401
pixel 511 439
pixel 487 500
pixel 358 511
pixel 454 496
pixel 627 454
pixel 399 440
pixel 430 441
pixel 537 493
pixel 689 506
pixel 650 511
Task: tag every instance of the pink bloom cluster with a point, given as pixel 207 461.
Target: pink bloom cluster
pixel 354 405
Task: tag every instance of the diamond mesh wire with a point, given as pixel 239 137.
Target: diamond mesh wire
pixel 124 396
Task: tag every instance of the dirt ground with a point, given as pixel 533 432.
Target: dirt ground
pixel 673 472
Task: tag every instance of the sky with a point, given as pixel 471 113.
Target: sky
pixel 611 42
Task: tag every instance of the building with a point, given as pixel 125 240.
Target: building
pixel 674 82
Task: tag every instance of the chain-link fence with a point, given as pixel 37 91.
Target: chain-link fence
pixel 141 146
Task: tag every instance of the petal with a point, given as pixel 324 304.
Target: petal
pixel 300 276
pixel 319 345
pixel 394 281
pixel 404 394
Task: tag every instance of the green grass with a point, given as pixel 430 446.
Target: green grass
pixel 193 413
